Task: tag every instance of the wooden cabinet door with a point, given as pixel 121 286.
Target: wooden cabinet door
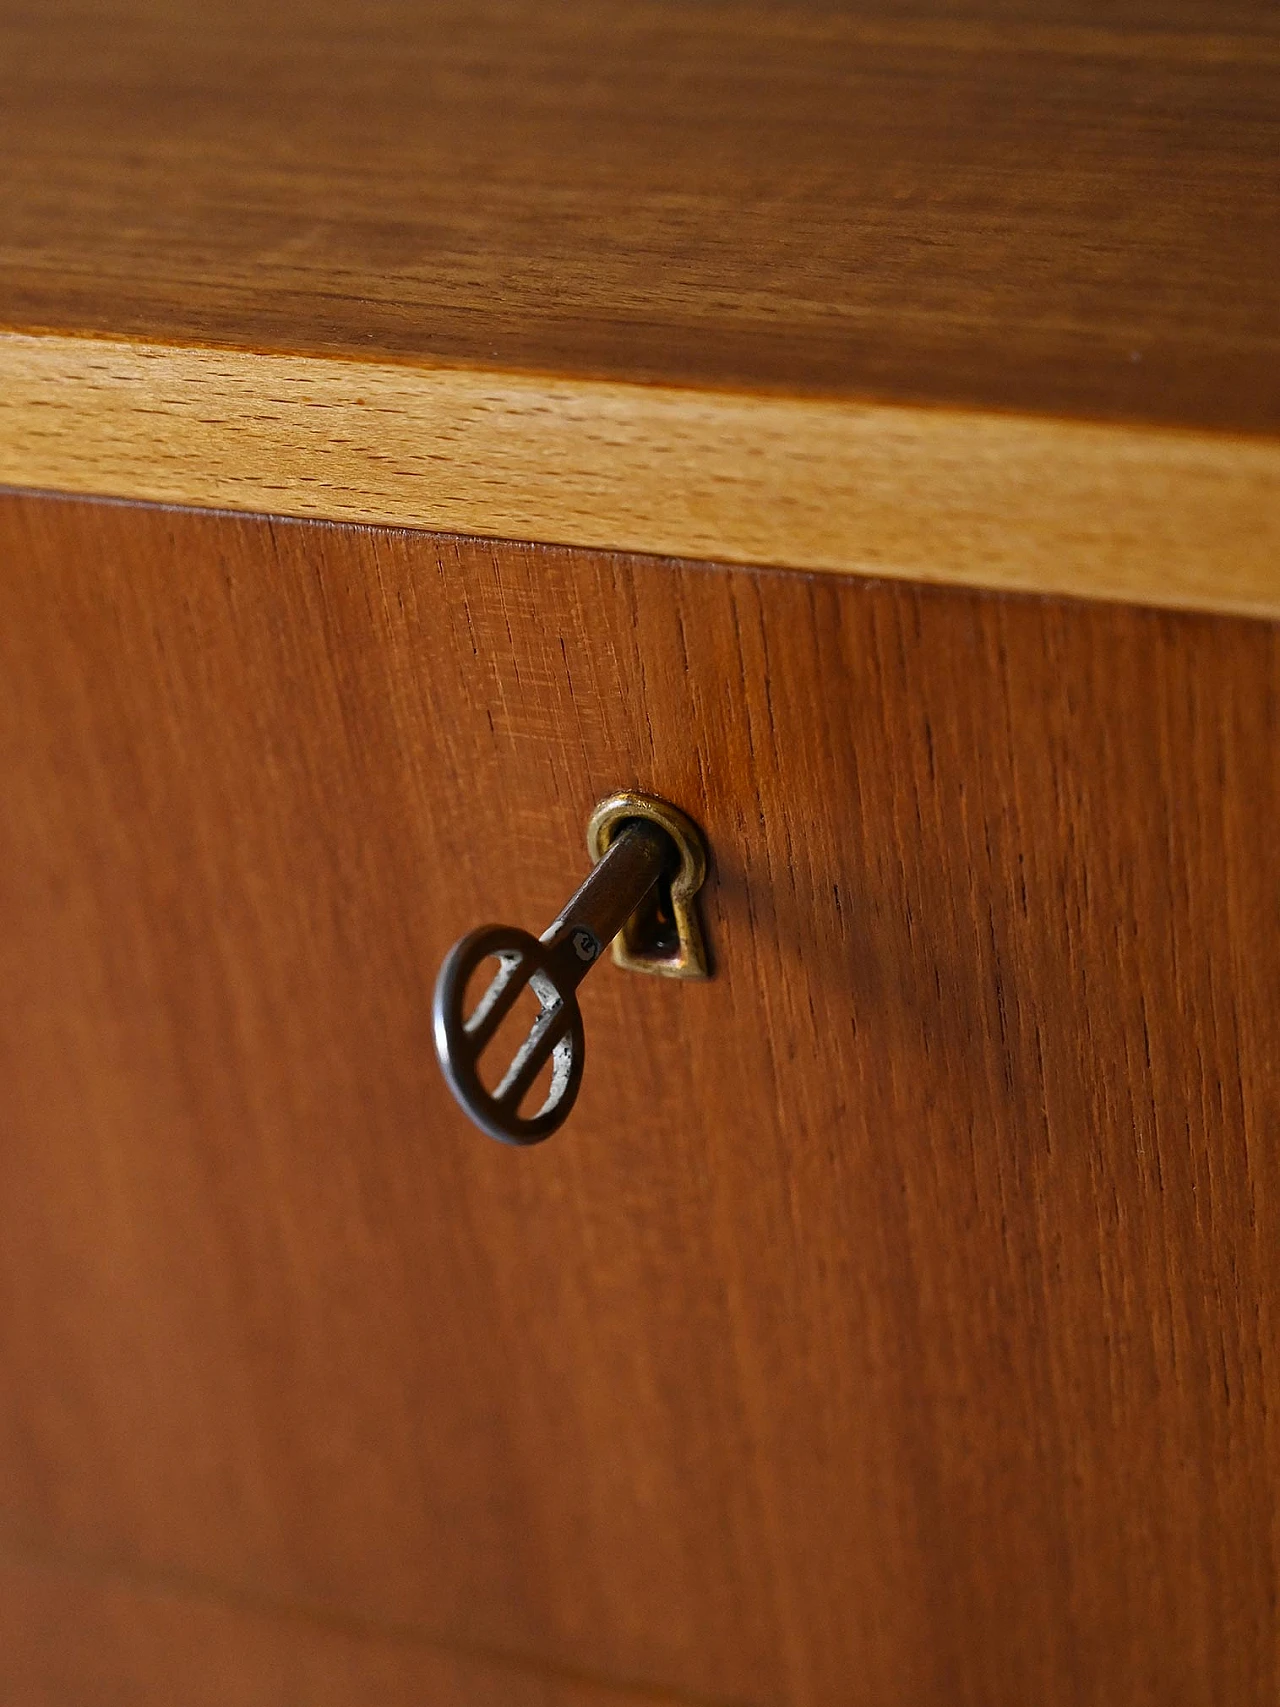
pixel 895 1319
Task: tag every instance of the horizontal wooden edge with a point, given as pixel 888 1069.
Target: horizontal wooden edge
pixel 1012 503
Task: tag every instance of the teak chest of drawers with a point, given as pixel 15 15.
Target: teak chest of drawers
pixel 858 426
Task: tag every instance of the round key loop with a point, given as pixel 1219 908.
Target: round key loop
pixel 461 1041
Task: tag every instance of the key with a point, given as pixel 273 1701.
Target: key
pixel 552 966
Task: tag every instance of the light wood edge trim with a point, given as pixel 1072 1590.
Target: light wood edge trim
pixel 1150 516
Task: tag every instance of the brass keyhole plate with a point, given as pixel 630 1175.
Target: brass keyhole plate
pixel 644 943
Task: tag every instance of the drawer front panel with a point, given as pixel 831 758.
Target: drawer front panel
pixel 898 1307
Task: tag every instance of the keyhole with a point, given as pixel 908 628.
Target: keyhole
pixel 651 932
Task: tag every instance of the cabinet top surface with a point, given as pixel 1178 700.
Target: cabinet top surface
pixel 1057 207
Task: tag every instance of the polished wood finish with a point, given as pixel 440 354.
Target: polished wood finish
pixel 1059 206
pixel 1187 520
pixel 897 1317
pixel 77 1636
pixel 978 293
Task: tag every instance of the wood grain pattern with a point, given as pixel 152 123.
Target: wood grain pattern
pixel 1057 206
pixel 1187 520
pixel 896 1319
pixel 69 1636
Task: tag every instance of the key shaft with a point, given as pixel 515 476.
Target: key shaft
pixel 603 903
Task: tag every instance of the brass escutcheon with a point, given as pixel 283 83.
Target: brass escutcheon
pixel 688 958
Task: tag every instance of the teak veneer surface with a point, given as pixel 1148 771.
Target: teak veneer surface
pixel 895 1321
pixel 1058 206
pixel 76 1637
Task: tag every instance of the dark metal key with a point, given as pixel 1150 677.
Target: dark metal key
pixel 552 966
